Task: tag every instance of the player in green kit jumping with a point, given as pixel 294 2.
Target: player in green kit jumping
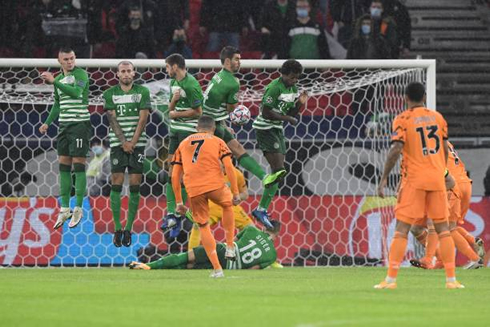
pixel 280 103
pixel 71 105
pixel 254 250
pixel 185 108
pixel 127 106
pixel 221 98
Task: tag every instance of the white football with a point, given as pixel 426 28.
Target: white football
pixel 240 116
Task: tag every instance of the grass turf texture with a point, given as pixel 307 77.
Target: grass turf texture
pixel 289 297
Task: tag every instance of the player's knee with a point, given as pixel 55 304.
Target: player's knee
pixel 417 230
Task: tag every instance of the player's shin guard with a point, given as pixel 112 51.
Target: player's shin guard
pixel 65 185
pixel 267 197
pixel 134 201
pixel 448 255
pixel 249 163
pixel 469 238
pixel 170 198
pixel 209 244
pixel 463 246
pixel 432 243
pixel 116 205
pixel 80 182
pixel 229 225
pixel 172 261
pixel 397 252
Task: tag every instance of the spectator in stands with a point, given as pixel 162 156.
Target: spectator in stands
pixel 401 17
pixel 275 18
pixel 135 38
pixel 386 25
pixel 306 39
pixel 223 20
pixel 99 170
pixel 367 41
pixel 149 14
pixel 101 26
pixel 179 45
pixel 344 14
pixel 173 15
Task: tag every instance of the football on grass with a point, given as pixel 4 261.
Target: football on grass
pixel 240 116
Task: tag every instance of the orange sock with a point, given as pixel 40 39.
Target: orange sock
pixel 447 254
pixel 463 246
pixel 470 238
pixel 229 225
pixel 422 237
pixel 432 243
pixel 397 252
pixel 209 244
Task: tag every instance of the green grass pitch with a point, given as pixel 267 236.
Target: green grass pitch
pixel 306 297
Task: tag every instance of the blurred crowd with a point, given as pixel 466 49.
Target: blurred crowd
pixel 300 29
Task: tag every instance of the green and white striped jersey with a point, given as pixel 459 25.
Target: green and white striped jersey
pixel 190 98
pixel 222 90
pixel 127 106
pixel 280 99
pixel 73 109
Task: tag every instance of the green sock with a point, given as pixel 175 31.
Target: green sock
pixel 80 182
pixel 249 163
pixel 134 202
pixel 170 198
pixel 65 185
pixel 151 168
pixel 267 197
pixel 172 261
pixel 116 205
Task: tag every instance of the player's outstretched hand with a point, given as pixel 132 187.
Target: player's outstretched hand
pixel 381 188
pixel 43 129
pixel 236 200
pixel 303 98
pixel 292 120
pixel 181 209
pixel 47 77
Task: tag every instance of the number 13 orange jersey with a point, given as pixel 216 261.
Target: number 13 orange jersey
pixel 200 156
pixel 423 132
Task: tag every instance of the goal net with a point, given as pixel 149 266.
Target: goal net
pixel 326 203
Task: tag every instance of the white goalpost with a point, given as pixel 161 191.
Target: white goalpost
pixel 326 204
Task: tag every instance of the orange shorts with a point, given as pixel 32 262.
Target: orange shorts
pixel 414 204
pixel 454 201
pixel 465 189
pixel 200 204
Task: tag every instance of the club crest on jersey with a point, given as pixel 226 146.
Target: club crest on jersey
pixel 268 100
pixel 135 98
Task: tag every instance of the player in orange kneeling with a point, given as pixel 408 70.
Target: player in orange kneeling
pixel 421 135
pixel 198 158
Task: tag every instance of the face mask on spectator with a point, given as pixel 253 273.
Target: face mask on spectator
pixel 366 29
pixel 135 20
pixel 302 13
pixel 376 12
pixel 97 150
pixel 179 40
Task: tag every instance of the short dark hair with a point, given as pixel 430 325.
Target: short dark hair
pixel 125 62
pixel 227 53
pixel 415 91
pixel 206 122
pixel 176 59
pixel 65 49
pixel 291 66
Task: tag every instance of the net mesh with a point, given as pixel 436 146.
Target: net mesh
pixel 326 203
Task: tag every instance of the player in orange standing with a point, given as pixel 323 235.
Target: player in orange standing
pixel 198 159
pixel 421 135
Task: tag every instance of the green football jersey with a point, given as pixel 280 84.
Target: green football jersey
pixel 222 90
pixel 190 98
pixel 253 248
pixel 281 99
pixel 72 109
pixel 127 106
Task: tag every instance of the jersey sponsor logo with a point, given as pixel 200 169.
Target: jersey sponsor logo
pixel 181 90
pixel 127 98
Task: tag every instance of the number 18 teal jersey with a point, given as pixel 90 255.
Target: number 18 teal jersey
pixel 253 248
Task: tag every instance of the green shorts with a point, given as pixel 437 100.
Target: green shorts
pixel 202 260
pixel 222 132
pixel 175 139
pixel 74 139
pixel 121 160
pixel 271 140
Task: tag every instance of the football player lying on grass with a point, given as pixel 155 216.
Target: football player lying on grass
pixel 254 250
